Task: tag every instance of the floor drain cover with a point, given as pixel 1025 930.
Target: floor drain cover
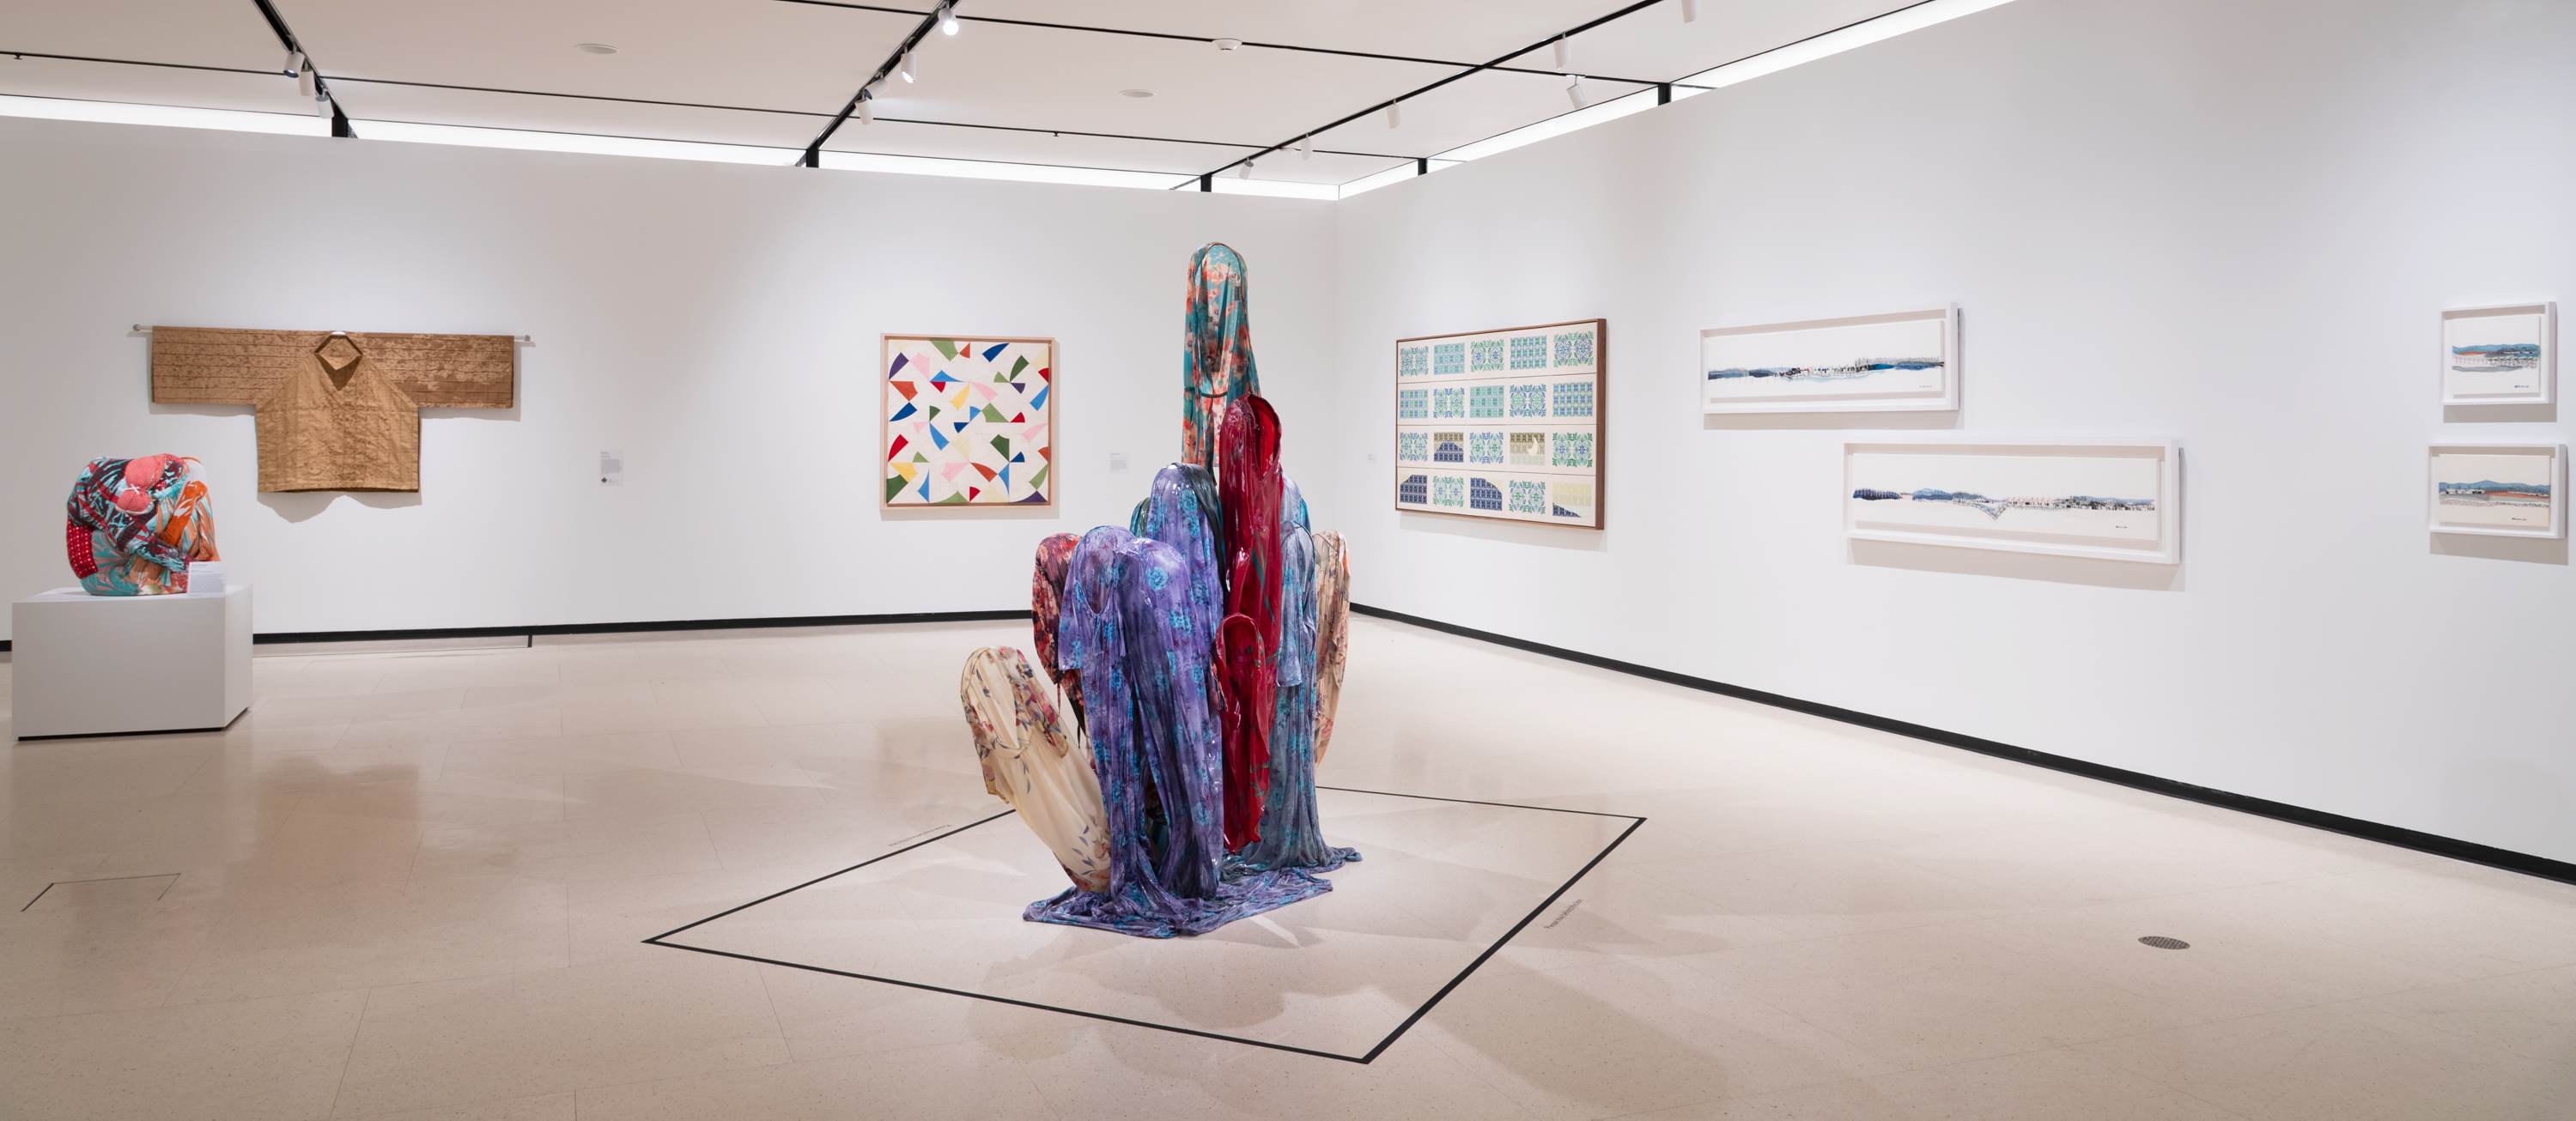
pixel 2163 943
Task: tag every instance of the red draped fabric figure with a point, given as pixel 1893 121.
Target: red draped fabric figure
pixel 1248 488
pixel 1046 604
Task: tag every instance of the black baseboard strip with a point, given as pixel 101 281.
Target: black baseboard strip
pixel 2454 848
pixel 633 628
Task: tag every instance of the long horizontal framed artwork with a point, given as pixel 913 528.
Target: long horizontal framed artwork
pixel 1503 424
pixel 1902 361
pixel 2499 490
pixel 2501 355
pixel 2110 499
pixel 966 421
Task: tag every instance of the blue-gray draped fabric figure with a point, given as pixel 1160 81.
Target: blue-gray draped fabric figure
pixel 1291 836
pixel 1139 632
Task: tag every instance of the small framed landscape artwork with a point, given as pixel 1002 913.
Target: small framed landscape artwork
pixel 965 421
pixel 2501 490
pixel 2501 355
pixel 1503 425
pixel 2107 499
pixel 1903 361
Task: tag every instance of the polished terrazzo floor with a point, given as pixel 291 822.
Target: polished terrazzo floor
pixel 417 883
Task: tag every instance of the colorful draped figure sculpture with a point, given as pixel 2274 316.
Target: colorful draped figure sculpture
pixel 1046 603
pixel 1247 640
pixel 1033 761
pixel 1289 835
pixel 1136 627
pixel 134 524
pixel 1216 349
pixel 1332 631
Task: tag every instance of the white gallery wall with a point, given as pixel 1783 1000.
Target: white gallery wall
pixel 716 323
pixel 2232 224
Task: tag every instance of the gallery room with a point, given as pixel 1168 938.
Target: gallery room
pixel 1847 560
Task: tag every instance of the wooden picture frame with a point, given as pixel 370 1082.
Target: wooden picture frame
pixel 1504 425
pixel 1001 454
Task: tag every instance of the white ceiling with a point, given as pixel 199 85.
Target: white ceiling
pixel 773 72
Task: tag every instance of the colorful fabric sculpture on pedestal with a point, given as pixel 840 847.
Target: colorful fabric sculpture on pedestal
pixel 134 524
pixel 1290 836
pixel 1032 761
pixel 1332 631
pixel 1133 626
pixel 1216 349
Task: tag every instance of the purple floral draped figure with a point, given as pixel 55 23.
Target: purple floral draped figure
pixel 1291 836
pixel 1216 349
pixel 1137 630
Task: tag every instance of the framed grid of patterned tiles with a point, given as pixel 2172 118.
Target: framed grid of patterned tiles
pixel 1502 424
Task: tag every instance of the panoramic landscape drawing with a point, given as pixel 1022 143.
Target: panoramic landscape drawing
pixel 2069 499
pixel 2492 356
pixel 1869 359
pixel 2503 491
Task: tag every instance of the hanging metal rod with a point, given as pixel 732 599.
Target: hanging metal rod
pixel 1640 5
pixel 1207 39
pixel 286 38
pixel 687 105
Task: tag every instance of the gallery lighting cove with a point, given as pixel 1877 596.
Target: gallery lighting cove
pixel 594 48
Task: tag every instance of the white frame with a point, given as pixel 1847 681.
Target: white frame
pixel 1948 401
pixel 2168 453
pixel 2547 310
pixel 2557 454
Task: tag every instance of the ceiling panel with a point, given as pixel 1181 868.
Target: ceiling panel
pixel 152 85
pixel 605 118
pixel 1436 29
pixel 770 72
pixel 897 139
pixel 1655 43
pixel 193 31
pixel 1028 77
pixel 756 53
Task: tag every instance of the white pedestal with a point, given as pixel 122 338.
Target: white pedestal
pixel 92 665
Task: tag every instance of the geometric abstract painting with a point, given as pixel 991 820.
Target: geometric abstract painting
pixel 968 422
pixel 1502 424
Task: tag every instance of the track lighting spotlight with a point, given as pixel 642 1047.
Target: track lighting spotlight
pixel 1306 147
pixel 1564 54
pixel 1395 116
pixel 1574 91
pixel 948 19
pixel 304 82
pixel 910 74
pixel 294 63
pixel 867 108
pixel 1244 172
pixel 1690 11
pixel 322 105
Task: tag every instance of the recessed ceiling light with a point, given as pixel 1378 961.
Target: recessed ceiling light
pixel 594 48
pixel 1135 93
pixel 1227 44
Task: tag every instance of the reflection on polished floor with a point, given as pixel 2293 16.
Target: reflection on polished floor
pixel 417 884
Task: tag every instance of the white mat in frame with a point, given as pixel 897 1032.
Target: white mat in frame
pixel 1897 362
pixel 2102 498
pixel 2498 490
pixel 2503 354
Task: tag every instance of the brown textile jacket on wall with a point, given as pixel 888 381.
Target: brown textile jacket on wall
pixel 335 411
